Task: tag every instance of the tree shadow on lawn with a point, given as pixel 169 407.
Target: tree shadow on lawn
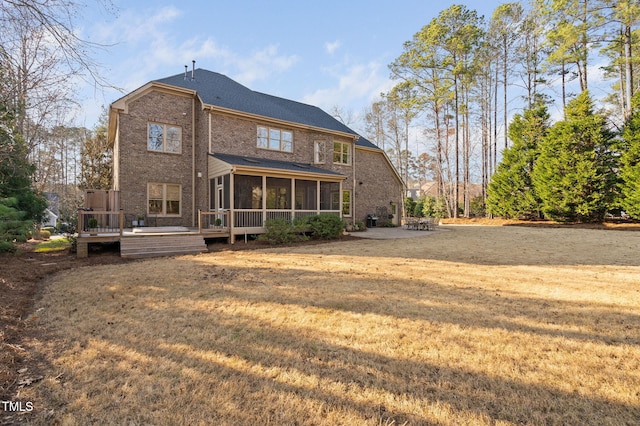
pixel 433 302
pixel 502 245
pixel 355 371
pixel 261 356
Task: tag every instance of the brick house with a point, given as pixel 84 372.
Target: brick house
pixel 200 141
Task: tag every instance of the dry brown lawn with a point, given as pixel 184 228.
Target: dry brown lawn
pixel 469 326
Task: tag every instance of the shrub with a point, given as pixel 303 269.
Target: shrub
pixel 409 206
pixel 73 240
pixel 280 231
pixel 45 234
pixel 323 226
pixel 419 206
pixel 7 247
pixel 13 226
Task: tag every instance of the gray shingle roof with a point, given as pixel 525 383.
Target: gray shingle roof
pixel 219 90
pixel 239 160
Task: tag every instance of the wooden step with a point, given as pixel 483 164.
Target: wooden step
pixel 161 245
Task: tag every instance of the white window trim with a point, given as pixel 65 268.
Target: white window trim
pixel 350 202
pixel 269 129
pixel 164 138
pixel 319 152
pixel 349 153
pixel 164 200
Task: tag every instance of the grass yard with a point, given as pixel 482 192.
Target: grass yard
pixel 474 325
pixel 54 244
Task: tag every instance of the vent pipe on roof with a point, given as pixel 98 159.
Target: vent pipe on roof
pixel 185 72
pixel 193 70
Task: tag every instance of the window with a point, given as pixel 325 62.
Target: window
pixel 346 203
pixel 341 153
pixel 275 139
pixel 164 138
pixel 319 152
pixel 164 199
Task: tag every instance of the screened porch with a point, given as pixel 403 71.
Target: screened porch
pixel 254 190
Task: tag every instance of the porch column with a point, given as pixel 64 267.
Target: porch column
pixel 232 203
pixel 317 197
pixel 264 199
pixel 292 198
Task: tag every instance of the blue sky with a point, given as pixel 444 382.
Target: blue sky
pixel 329 53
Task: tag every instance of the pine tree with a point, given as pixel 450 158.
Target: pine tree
pixel 511 192
pixel 630 164
pixel 574 172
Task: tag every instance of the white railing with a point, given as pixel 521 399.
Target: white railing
pixel 256 218
pixel 279 214
pixel 248 219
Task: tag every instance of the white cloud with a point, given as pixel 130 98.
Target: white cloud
pixel 357 84
pixel 332 47
pixel 133 27
pixel 261 64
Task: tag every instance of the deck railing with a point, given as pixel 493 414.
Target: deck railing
pixel 255 218
pixel 213 222
pixel 96 222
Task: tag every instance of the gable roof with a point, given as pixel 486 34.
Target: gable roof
pixel 218 90
pixel 365 143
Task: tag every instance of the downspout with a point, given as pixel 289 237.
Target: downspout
pixel 353 182
pixel 193 161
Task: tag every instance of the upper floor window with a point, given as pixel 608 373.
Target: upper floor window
pixel 164 138
pixel 319 152
pixel 341 153
pixel 276 139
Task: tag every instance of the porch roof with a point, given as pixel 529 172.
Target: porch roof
pixel 239 163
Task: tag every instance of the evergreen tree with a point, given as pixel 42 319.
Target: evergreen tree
pixel 16 171
pixel 630 164
pixel 574 174
pixel 96 158
pixel 511 192
pixel 20 206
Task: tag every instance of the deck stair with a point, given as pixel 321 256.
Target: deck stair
pixel 161 245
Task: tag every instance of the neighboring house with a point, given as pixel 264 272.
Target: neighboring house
pixel 49 219
pixel 201 141
pixel 430 189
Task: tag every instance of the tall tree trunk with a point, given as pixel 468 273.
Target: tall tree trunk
pixel 564 90
pixel 628 70
pixel 495 120
pixel 457 121
pixel 504 87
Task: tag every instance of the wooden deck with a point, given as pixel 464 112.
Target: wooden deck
pixel 138 242
pixel 150 242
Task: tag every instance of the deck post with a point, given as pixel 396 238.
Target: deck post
pixel 121 221
pixel 82 249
